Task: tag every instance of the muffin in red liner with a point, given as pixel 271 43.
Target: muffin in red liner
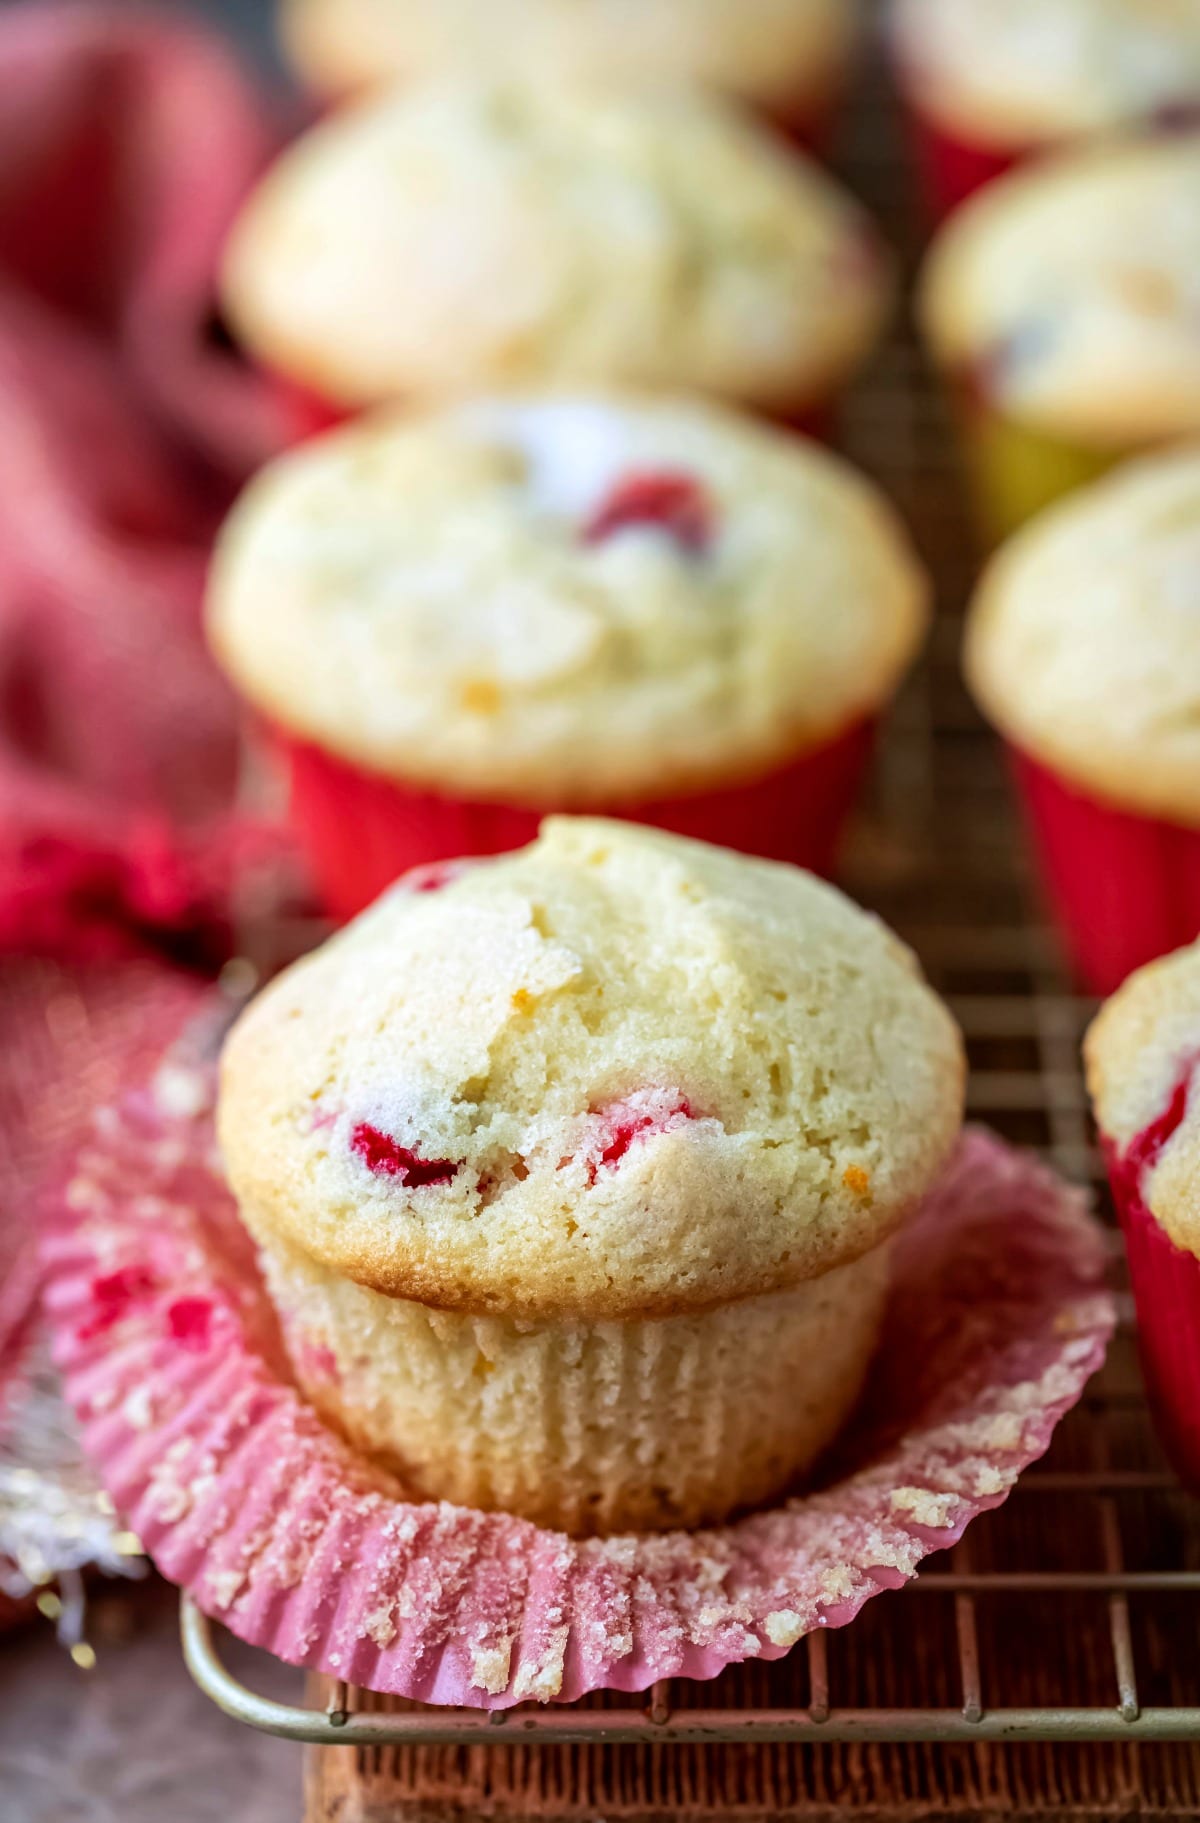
pixel 456 237
pixel 455 621
pixel 997 1318
pixel 1084 649
pixel 991 83
pixel 1143 1055
pixel 1060 306
pixel 789 59
pixel 570 1158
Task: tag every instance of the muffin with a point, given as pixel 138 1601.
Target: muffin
pixel 1142 1054
pixel 1083 646
pixel 451 622
pixel 789 58
pixel 1062 303
pixel 989 83
pixel 454 237
pixel 573 1179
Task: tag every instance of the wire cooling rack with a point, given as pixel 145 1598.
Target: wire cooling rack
pixel 1070 1616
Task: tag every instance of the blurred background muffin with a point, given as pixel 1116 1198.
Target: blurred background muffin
pixel 574 1179
pixel 1143 1056
pixel 456 237
pixel 456 621
pixel 1062 304
pixel 989 83
pixel 790 58
pixel 1083 647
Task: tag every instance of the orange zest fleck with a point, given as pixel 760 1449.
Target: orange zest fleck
pixel 481 696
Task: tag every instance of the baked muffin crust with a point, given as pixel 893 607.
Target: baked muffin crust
pixel 1014 73
pixel 778 53
pixel 616 1074
pixel 1143 1059
pixel 582 600
pixel 451 237
pixel 1083 643
pixel 1069 292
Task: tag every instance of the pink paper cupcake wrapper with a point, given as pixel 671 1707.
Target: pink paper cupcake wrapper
pixel 172 1361
pixel 1125 888
pixel 362 831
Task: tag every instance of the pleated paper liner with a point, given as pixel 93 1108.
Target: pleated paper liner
pixel 172 1360
pixel 1125 887
pixel 361 831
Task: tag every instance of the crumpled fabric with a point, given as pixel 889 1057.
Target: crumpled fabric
pixel 126 144
pixel 70 1040
pixel 127 140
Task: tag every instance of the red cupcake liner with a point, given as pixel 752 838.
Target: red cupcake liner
pixel 172 1361
pixel 307 414
pixel 950 169
pixel 361 831
pixel 1124 888
pixel 1166 1291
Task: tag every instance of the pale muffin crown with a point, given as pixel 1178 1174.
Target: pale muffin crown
pixel 555 601
pixel 1083 642
pixel 1143 1061
pixel 451 237
pixel 775 52
pixel 1068 293
pixel 1010 73
pixel 616 1073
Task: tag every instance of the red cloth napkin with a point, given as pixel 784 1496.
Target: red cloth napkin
pixel 126 144
pixel 127 140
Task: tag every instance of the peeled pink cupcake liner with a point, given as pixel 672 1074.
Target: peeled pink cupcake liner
pixel 1125 888
pixel 361 831
pixel 1166 1287
pixel 173 1363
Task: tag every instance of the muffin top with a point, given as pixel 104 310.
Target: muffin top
pixel 1143 1058
pixel 1083 643
pixel 775 52
pixel 615 1073
pixel 1010 73
pixel 565 600
pixel 1069 293
pixel 444 238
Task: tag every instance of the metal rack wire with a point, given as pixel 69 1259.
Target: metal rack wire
pixel 1070 1616
pixel 354 1718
